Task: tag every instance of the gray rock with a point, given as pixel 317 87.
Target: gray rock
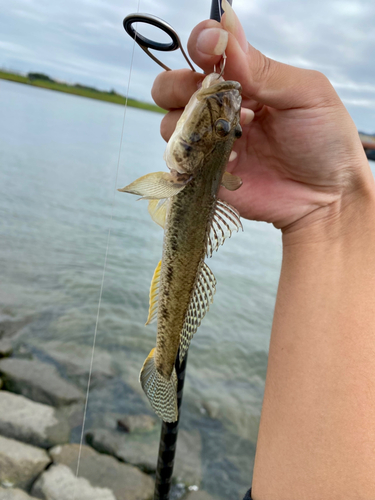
pixel 20 463
pixel 38 381
pixel 6 348
pixel 198 495
pixel 33 423
pixel 139 423
pixel 13 494
pixel 141 450
pixel 60 483
pixel 126 482
pixel 133 449
pixel 76 359
pixel 11 327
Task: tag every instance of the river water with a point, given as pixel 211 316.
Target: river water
pixel 58 163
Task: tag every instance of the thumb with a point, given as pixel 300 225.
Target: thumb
pixel 267 81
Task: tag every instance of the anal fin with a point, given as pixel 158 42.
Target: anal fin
pixel 162 393
pixel 202 297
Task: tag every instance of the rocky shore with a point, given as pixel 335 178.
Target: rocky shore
pixel 39 408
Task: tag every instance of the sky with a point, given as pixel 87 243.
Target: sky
pixel 83 41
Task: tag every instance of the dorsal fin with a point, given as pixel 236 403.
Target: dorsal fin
pixel 158 211
pixel 226 219
pixel 154 295
pixel 201 298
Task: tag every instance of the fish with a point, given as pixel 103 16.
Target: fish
pixel 184 201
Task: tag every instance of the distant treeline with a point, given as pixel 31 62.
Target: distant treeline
pixel 44 81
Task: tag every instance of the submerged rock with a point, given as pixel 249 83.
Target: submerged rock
pixel 11 327
pixel 60 483
pixel 20 463
pixel 6 348
pixel 76 360
pixel 33 423
pixel 139 423
pixel 38 381
pixel 142 453
pixel 141 450
pixel 14 494
pixel 198 495
pixel 125 481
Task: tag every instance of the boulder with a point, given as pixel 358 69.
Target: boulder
pixel 76 360
pixel 141 450
pixel 20 463
pixel 135 450
pixel 6 348
pixel 60 483
pixel 10 327
pixel 33 423
pixel 198 495
pixel 14 494
pixel 38 381
pixel 139 423
pixel 125 481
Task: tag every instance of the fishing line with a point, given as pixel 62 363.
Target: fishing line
pixel 105 260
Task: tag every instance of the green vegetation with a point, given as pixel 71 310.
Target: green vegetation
pixel 44 81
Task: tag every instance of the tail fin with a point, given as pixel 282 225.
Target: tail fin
pixel 161 392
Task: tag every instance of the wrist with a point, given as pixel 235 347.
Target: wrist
pixel 351 216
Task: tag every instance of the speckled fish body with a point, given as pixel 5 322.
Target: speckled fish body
pixel 195 223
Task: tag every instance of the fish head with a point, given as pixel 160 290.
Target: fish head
pixel 211 116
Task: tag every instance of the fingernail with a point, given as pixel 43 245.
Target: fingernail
pixel 229 20
pixel 232 156
pixel 247 116
pixel 212 41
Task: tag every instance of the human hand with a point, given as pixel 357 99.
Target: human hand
pixel 300 158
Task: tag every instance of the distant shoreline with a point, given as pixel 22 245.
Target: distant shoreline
pixel 43 81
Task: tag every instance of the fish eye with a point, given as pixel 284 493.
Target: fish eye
pixel 222 127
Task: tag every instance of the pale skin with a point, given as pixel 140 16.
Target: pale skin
pixel 304 170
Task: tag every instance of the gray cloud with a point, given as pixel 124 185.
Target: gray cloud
pixel 83 41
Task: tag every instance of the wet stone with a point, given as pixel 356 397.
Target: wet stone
pixel 10 327
pixel 38 381
pixel 76 359
pixel 141 450
pixel 136 423
pixel 20 463
pixel 14 494
pixel 198 495
pixel 60 483
pixel 125 481
pixel 6 348
pixel 30 422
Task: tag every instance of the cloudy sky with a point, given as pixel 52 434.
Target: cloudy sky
pixel 83 41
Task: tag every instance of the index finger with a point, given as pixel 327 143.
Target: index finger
pixel 173 89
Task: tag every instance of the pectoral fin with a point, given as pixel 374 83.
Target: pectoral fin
pixel 231 182
pixel 157 185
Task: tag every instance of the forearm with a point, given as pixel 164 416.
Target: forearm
pixel 317 431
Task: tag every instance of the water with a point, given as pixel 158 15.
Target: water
pixel 58 162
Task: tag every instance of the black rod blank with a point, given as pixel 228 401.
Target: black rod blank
pixel 168 441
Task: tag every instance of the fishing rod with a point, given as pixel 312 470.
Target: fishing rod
pixel 169 430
